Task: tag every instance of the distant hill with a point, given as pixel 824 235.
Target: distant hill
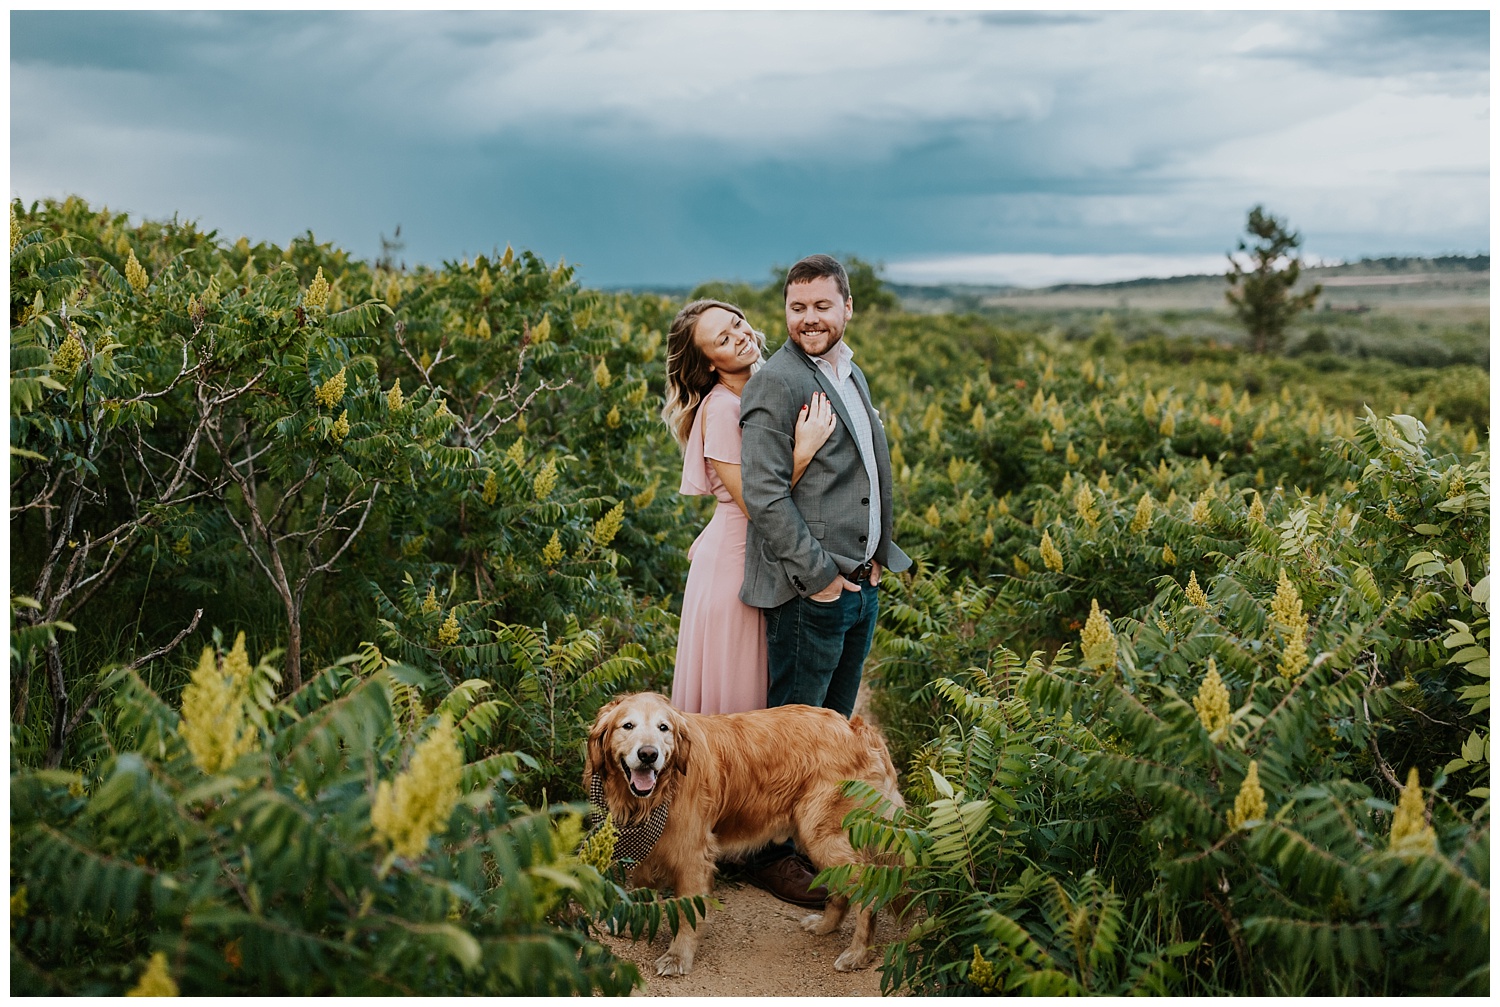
pixel 1392 283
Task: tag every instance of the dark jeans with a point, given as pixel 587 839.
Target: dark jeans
pixel 817 649
pixel 817 655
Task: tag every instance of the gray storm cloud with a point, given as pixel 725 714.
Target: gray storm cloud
pixel 651 147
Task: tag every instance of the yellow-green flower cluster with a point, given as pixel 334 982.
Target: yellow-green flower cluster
pixel 1456 485
pixel 482 328
pixel 214 723
pixel 448 631
pixel 1471 441
pixel 932 418
pixel 543 329
pixel 1143 514
pixel 491 488
pixel 956 469
pixel 1200 513
pixel 331 392
pixel 340 428
pixel 545 480
pixel 1212 700
pixel 1050 556
pixel 602 377
pixel 1168 556
pixel 517 452
pixel 636 395
pixel 407 812
pixel 1257 512
pixel 1195 595
pixel 933 517
pixel 156 981
pixel 646 497
pixel 430 603
pixel 317 292
pixel 1098 639
pixel 1083 503
pixel 394 399
pixel 988 538
pixel 598 850
pixel 1168 425
pixel 1410 832
pixel 982 974
pixel 237 663
pixel 1069 455
pixel 68 358
pixel 612 420
pixel 552 552
pixel 609 525
pixel 19 903
pixel 1250 802
pixel 15 228
pixel 135 274
pixel 1286 609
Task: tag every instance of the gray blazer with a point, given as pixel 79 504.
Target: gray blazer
pixel 801 537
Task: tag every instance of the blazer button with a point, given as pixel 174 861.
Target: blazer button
pixel 865 501
pixel 863 537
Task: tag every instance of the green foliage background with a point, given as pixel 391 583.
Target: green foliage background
pixel 501 544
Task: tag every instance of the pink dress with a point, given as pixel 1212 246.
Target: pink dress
pixel 721 643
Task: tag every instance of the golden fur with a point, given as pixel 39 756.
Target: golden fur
pixel 737 782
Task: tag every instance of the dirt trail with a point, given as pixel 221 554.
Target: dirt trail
pixel 755 946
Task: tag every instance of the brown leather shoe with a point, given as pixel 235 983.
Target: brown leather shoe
pixel 790 881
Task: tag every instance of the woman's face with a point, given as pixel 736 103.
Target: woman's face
pixel 726 341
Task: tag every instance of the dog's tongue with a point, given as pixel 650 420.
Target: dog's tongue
pixel 643 780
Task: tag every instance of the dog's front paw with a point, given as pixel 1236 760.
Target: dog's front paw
pixel 674 964
pixel 819 923
pixel 852 960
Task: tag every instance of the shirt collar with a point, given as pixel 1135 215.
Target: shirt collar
pixel 840 357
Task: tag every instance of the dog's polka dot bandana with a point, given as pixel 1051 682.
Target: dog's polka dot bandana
pixel 635 842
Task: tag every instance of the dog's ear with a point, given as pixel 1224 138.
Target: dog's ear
pixel 595 758
pixel 682 754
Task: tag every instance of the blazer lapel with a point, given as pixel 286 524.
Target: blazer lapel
pixel 834 397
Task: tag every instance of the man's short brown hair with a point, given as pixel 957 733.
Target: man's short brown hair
pixel 814 267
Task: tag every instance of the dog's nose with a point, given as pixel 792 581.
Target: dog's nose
pixel 647 755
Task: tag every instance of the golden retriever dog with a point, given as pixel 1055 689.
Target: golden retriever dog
pixel 736 782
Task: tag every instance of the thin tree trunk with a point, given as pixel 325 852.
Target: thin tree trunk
pixel 293 646
pixel 59 685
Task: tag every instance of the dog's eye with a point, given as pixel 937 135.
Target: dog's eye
pixel 627 726
pixel 662 727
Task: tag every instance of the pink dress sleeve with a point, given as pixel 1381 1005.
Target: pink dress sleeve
pixel 715 434
pixel 721 428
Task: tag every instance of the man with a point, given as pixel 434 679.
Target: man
pixel 815 552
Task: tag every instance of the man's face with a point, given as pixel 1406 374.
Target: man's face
pixel 816 314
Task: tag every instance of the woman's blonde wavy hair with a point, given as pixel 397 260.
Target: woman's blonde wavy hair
pixel 688 376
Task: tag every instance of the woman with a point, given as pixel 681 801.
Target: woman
pixel 721 645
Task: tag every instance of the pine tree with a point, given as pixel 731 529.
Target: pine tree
pixel 1262 296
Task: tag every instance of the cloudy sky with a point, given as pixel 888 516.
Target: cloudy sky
pixel 669 148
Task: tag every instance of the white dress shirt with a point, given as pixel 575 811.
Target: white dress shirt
pixel 838 366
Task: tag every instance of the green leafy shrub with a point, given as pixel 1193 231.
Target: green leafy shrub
pixel 287 870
